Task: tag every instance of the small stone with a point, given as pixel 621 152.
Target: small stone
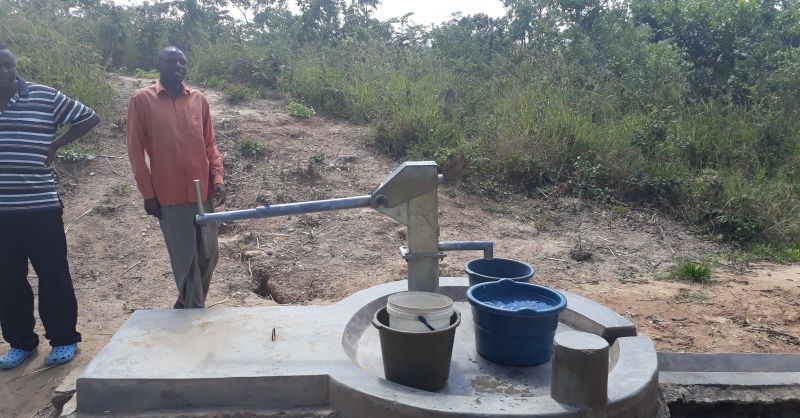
pixel 254 254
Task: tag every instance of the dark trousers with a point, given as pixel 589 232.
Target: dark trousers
pixel 37 236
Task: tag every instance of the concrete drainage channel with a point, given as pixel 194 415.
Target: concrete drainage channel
pixel 730 385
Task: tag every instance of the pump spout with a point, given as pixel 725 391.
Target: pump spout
pixel 486 246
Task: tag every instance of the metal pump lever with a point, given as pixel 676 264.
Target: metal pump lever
pixel 408 195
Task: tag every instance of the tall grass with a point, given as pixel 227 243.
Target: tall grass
pixel 46 56
pixel 731 170
pixel 605 115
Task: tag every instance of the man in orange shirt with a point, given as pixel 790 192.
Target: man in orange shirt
pixel 170 124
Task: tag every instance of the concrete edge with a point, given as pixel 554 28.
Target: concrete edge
pixel 729 379
pixel 729 369
pixel 64 393
pixel 633 382
pixel 592 317
pixel 387 399
pixel 729 362
pixel 107 396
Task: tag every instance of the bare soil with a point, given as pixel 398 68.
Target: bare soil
pixel 119 262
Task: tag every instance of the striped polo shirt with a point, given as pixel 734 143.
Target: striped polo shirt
pixel 27 128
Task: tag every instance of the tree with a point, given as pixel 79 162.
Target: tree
pixel 319 20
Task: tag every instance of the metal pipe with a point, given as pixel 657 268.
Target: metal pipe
pixel 486 246
pixel 200 209
pixel 286 209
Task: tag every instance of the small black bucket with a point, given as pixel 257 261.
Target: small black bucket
pixel 417 359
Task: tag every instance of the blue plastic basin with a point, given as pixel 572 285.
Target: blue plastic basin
pixel 515 322
pixel 481 270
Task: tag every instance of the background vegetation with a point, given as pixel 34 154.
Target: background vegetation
pixel 690 105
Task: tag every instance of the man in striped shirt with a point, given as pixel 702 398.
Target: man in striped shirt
pixel 31 226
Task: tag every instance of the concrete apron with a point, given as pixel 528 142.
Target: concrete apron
pixel 328 357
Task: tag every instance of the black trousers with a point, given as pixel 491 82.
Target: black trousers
pixel 37 236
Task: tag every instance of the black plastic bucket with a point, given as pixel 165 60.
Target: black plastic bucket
pixel 481 270
pixel 417 359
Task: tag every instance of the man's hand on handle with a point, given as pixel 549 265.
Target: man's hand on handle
pixel 219 194
pixel 152 207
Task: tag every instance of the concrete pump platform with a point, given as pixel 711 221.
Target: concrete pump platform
pixel 326 360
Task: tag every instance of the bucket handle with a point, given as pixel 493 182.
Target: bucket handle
pixel 424 321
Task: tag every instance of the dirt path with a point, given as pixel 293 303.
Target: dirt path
pixel 119 262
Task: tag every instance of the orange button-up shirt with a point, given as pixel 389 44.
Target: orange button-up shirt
pixel 176 135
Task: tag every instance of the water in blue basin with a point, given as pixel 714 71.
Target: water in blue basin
pixel 515 305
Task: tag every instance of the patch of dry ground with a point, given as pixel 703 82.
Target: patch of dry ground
pixel 119 262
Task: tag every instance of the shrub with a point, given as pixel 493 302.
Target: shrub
pixel 299 110
pixel 252 148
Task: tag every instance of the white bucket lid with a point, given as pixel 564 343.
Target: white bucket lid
pixel 420 302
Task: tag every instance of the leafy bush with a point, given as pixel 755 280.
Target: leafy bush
pixel 298 109
pixel 252 148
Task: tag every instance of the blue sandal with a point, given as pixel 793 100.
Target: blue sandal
pixel 14 357
pixel 61 354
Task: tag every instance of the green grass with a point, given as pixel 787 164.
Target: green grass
pixel 148 74
pixel 777 254
pixel 688 296
pixel 68 65
pixel 121 189
pixel 75 155
pixel 237 93
pixel 691 271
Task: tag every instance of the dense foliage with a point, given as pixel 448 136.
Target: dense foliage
pixel 692 105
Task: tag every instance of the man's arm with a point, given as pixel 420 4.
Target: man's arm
pixel 74 132
pixel 137 133
pixel 214 158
